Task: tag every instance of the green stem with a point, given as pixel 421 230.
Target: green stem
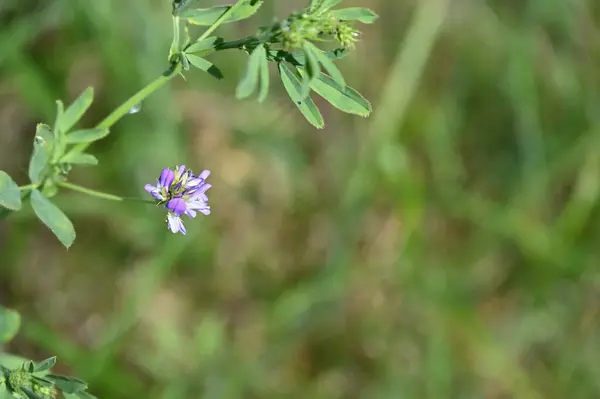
pixel 137 98
pixel 170 73
pixel 221 19
pixel 175 43
pixel 237 44
pixel 100 194
pixel 29 187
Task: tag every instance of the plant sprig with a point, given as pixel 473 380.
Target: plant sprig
pixel 304 46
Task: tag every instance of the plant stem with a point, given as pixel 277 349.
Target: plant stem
pixel 137 98
pixel 220 20
pixel 29 187
pixel 100 194
pixel 237 44
pixel 173 71
pixel 175 43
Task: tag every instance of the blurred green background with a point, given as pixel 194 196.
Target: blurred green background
pixel 445 247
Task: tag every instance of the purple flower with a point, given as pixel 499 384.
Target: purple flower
pixel 161 190
pixel 177 206
pixel 181 193
pixel 175 224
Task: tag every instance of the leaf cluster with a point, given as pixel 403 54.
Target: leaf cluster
pixel 55 150
pixel 36 381
pixel 33 380
pixel 297 45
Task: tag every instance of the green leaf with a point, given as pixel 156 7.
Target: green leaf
pixel 344 98
pixel 4 393
pixel 359 14
pixel 204 45
pixel 76 110
pixel 180 6
pixel 293 86
pixel 79 158
pixel 248 84
pixel 10 361
pixel 79 395
pixel 45 364
pixel 10 195
pixel 29 394
pixel 320 6
pixel 204 65
pixel 42 381
pixel 67 384
pixel 86 136
pixel 43 144
pixel 327 64
pixel 313 69
pixel 264 78
pixel 10 321
pixel 53 218
pixel 85 395
pixel 28 366
pixel 185 64
pixel 60 110
pixel 208 16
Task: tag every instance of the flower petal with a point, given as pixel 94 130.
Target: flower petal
pixel 204 174
pixel 150 188
pixel 177 206
pixel 194 182
pixel 173 222
pixel 155 191
pixel 166 178
pixel 203 189
pixel 179 172
pixel 190 213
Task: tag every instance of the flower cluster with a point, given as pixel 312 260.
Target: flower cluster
pixel 182 193
pixel 301 27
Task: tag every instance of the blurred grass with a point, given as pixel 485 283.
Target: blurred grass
pixel 444 247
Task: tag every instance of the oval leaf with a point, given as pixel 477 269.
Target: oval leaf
pixel 248 84
pixel 53 218
pixel 45 364
pixel 79 158
pixel 29 394
pixel 359 14
pixel 204 65
pixel 313 68
pixel 67 384
pixel 43 144
pixel 344 98
pixel 86 136
pixel 75 111
pixel 84 395
pixel 327 64
pixel 4 393
pixel 204 45
pixel 264 78
pixel 10 321
pixel 293 86
pixel 208 16
pixel 10 195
